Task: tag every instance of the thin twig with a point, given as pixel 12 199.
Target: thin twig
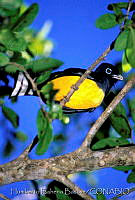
pixel 127 14
pixel 107 112
pixel 4 197
pixel 66 181
pixel 25 153
pixel 129 7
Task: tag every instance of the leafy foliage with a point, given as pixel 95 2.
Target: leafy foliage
pixel 11 116
pixel 131 103
pixel 121 42
pixel 43 77
pixel 61 192
pixel 126 39
pixel 106 21
pixel 3 59
pixel 124 168
pixel 26 18
pixel 109 143
pixel 16 51
pixel 100 197
pixel 43 64
pixel 8 149
pixel 44 132
pixel 20 136
pixel 120 121
pixel 131 177
pixel 15 42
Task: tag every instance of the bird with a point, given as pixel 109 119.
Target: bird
pixel 87 98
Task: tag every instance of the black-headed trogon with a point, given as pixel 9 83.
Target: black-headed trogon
pixel 90 93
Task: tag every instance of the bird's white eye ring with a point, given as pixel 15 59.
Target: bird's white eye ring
pixel 108 70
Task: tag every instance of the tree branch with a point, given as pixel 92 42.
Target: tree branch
pixel 107 112
pixel 128 10
pixel 52 168
pixel 4 197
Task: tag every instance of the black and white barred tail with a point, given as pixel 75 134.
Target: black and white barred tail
pixel 22 86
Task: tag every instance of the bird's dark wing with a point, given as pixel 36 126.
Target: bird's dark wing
pixel 67 110
pixel 67 72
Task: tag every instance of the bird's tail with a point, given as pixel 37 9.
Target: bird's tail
pixel 22 86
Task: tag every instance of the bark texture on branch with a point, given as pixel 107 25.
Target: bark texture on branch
pixel 53 168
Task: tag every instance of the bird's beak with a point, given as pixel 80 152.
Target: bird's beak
pixel 118 77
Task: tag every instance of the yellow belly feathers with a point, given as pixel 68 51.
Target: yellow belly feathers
pixel 89 95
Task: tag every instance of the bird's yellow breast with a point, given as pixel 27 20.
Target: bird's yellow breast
pixel 89 95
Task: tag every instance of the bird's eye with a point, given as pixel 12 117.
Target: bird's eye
pixel 108 71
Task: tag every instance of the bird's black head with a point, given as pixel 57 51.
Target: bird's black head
pixel 107 74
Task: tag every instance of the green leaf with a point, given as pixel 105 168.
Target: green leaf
pixel 120 121
pixel 20 60
pixel 2 48
pixel 131 103
pixel 125 64
pixel 11 69
pixel 26 18
pixel 43 64
pixel 45 140
pixel 59 137
pixel 130 51
pixel 121 5
pixel 10 5
pixel 7 13
pixel 1 102
pixel 131 177
pixel 118 5
pixel 9 8
pixel 21 136
pixel 121 42
pixel 115 8
pixel 100 197
pixel 8 149
pixel 61 195
pixel 11 115
pixel 3 59
pixel 130 54
pixel 44 133
pixel 124 168
pixel 106 21
pixel 43 77
pixel 133 17
pixel 131 38
pixel 44 198
pixel 47 88
pixel 42 123
pixel 110 142
pixel 15 42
